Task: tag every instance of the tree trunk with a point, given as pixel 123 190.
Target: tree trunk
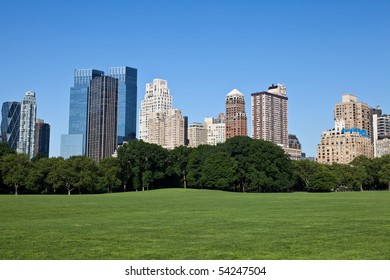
pixel 124 187
pixel 389 185
pixel 184 180
pixel 16 189
pixel 143 188
pixel 361 187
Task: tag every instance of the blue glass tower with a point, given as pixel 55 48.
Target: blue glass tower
pixel 10 123
pixel 127 101
pixel 75 142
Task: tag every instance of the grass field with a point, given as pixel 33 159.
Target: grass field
pixel 196 224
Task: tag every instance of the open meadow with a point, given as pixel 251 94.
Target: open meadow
pixel 196 224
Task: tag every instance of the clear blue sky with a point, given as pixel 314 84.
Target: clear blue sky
pixel 318 49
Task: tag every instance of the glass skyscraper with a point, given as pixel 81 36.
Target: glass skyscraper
pixel 78 110
pixel 42 138
pixel 10 122
pixel 102 117
pixel 127 101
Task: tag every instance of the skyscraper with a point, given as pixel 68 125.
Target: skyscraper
pixel 42 138
pixel 157 99
pixel 269 115
pixel 28 111
pixel 236 119
pixel 127 101
pixel 102 117
pixel 74 143
pixel 10 122
pixel 173 129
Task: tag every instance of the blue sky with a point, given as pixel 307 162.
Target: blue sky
pixel 318 49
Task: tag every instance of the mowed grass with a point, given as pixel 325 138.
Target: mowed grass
pixel 196 224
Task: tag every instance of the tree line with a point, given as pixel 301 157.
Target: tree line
pixel 241 164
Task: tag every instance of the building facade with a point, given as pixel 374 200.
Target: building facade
pixel 78 113
pixel 354 114
pixel 294 149
pixel 269 115
pixel 28 112
pixel 42 138
pixel 197 135
pixel 156 128
pixel 127 101
pixel 173 129
pixel 102 117
pixel 216 130
pixel 236 118
pixel 382 146
pixel 157 99
pixel 343 145
pixel 10 122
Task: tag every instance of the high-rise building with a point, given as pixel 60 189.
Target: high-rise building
pixel 173 129
pixel 354 114
pixel 236 119
pixel 72 145
pixel 42 138
pixel 351 136
pixel 157 99
pixel 216 130
pixel 102 117
pixel 28 112
pixel 269 115
pixel 186 141
pixel 127 101
pixel 197 134
pixel 156 128
pixel 10 122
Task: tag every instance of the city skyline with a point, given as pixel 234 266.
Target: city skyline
pixel 320 51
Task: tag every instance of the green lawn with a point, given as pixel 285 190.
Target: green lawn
pixel 196 224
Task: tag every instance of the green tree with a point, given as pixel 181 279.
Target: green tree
pixel 219 171
pixel 384 175
pixel 178 163
pixel 5 149
pixel 110 173
pixel 323 181
pixel 62 174
pixel 38 175
pixel 305 170
pixel 15 169
pixel 360 169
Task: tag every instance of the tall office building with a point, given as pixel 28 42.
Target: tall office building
pixel 28 112
pixel 236 119
pixel 127 101
pixel 354 114
pixel 74 143
pixel 42 138
pixel 269 115
pixel 173 129
pixel 157 99
pixel 102 117
pixel 10 122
